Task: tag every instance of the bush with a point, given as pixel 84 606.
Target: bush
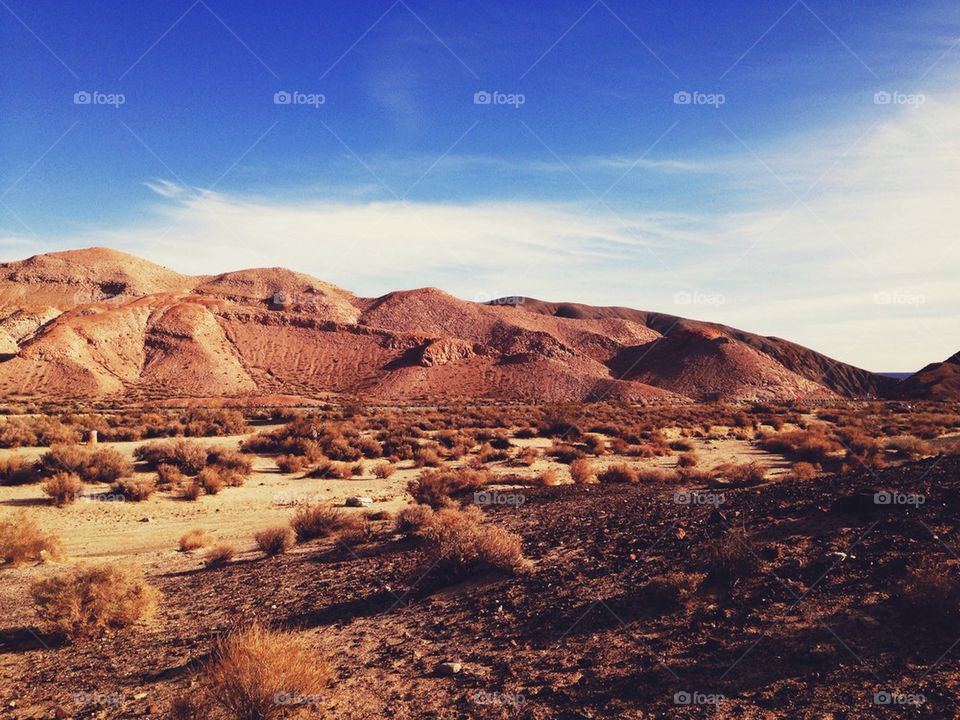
pixel 65 458
pixel 106 465
pixel 194 540
pixel 656 475
pixel 383 470
pixel 907 446
pixel 669 592
pixel 582 472
pixel 189 457
pixel 729 559
pixel 548 478
pixel 231 460
pixel 617 473
pixel 18 470
pixel 411 518
pixel 191 491
pixel 426 457
pixel 250 669
pixel 802 471
pixel 219 555
pixel 687 460
pixel 595 444
pixel 332 469
pixel 63 488
pixel 741 474
pixel 437 488
pixel 135 489
pixel 565 453
pixel 169 474
pixel 290 463
pixel 806 445
pixel 22 540
pixel 457 544
pixel 528 456
pixel 91 600
pixel 275 540
pixel 320 520
pixel 213 479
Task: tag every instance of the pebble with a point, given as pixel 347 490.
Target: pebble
pixel 449 668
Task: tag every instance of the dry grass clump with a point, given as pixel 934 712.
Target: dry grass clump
pixel 670 592
pixel 63 488
pixel 22 540
pixel 383 470
pixel 290 463
pixel 437 488
pixel 103 465
pixel 426 457
pixel 231 460
pixel 908 446
pixel 195 539
pixel 802 471
pixel 219 555
pixel 190 458
pixel 805 445
pixel 729 559
pixel 656 475
pixel 252 671
pixel 527 456
pixel 275 540
pixel 135 489
pixel 617 473
pixel 458 544
pixel 169 474
pixel 740 474
pixel 18 470
pixel 320 520
pixel 932 597
pixel 89 601
pixel 191 491
pixel 332 469
pixel 595 444
pixel 687 460
pixel 548 478
pixel 582 472
pixel 411 518
pixel 564 452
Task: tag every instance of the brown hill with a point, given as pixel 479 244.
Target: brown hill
pixel 937 381
pixel 97 323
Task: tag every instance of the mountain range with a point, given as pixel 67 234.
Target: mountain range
pixel 101 324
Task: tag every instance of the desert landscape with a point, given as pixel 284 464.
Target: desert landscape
pixel 258 496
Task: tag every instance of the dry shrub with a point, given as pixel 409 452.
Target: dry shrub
pixel 252 668
pixel 596 445
pixel 908 446
pixel 457 544
pixel 91 600
pixel 213 478
pixel 528 456
pixel 195 539
pixel 548 478
pixel 805 445
pixel 169 474
pixel 564 452
pixel 187 707
pixel 802 471
pixel 669 592
pixel 106 465
pixel 617 473
pixel 426 457
pixel 487 454
pixel 687 460
pixel 932 597
pixel 275 540
pixel 411 518
pixel 231 460
pixel 22 540
pixel 219 555
pixel 65 458
pixel 740 474
pixel 729 559
pixel 332 469
pixel 191 491
pixel 63 488
pixel 189 457
pixel 135 489
pixel 656 475
pixel 383 470
pixel 320 520
pixel 437 488
pixel 18 470
pixel 290 463
pixel 582 472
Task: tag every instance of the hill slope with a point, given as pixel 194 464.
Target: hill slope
pixel 97 323
pixel 937 381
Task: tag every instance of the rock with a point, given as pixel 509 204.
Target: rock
pixel 441 352
pixel 449 668
pixel 146 519
pixel 358 501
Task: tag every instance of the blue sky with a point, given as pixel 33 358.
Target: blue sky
pixel 805 190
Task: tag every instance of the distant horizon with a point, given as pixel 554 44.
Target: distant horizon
pixel 789 169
